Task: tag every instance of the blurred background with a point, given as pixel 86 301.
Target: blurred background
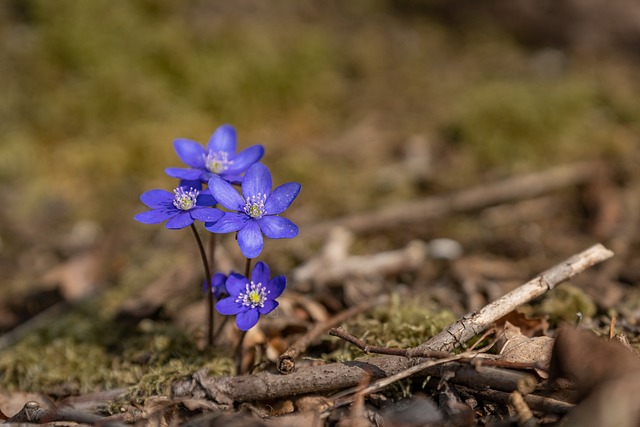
pixel 364 102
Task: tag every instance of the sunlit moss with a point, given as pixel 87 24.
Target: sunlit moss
pixel 523 122
pixel 81 353
pixel 401 324
pixel 565 303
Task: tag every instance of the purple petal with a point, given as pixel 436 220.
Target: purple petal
pixel 223 139
pixel 245 158
pixel 277 227
pixel 225 194
pixel 269 306
pixel 247 320
pixel 281 198
pixel 155 216
pixel 276 286
pixel 250 240
pixel 228 306
pixel 206 214
pixel 190 152
pixel 236 283
pixel 188 184
pixel 206 199
pixel 217 285
pixel 228 223
pixel 157 198
pixel 233 179
pixel 260 273
pixel 182 220
pixel 256 180
pixel 184 174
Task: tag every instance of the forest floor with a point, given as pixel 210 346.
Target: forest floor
pixel 469 215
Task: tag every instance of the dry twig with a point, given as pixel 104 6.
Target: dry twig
pixel 517 188
pixel 287 360
pixel 474 323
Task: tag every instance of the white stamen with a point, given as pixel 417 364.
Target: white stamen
pixel 254 295
pixel 217 162
pixel 185 200
pixel 254 206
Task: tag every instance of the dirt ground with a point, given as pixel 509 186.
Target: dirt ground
pixel 467 169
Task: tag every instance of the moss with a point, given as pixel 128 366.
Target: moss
pixel 522 122
pixel 563 303
pixel 401 324
pixel 81 353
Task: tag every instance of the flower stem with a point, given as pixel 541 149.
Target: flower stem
pixel 212 251
pixel 207 274
pixel 239 353
pixel 247 269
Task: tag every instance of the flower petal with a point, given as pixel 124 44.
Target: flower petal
pixel 281 198
pixel 245 158
pixel 157 198
pixel 250 240
pixel 206 214
pixel 223 139
pixel 276 286
pixel 185 174
pixel 205 198
pixel 268 306
pixel 247 319
pixel 228 306
pixel 277 227
pixel 188 184
pixel 256 180
pixel 233 179
pixel 225 194
pixel 155 216
pixel 260 273
pixel 190 152
pixel 228 223
pixel 217 285
pixel 182 220
pixel 235 284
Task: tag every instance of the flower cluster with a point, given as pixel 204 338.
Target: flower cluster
pixel 252 213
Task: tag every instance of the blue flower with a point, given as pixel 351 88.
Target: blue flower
pixel 181 207
pixel 218 158
pixel 217 285
pixel 255 212
pixel 248 299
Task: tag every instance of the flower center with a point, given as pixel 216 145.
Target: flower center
pixel 217 162
pixel 185 200
pixel 254 206
pixel 254 295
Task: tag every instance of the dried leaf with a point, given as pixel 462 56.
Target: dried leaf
pixel 529 326
pixel 518 348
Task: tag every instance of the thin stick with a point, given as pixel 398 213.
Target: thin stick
pixel 474 323
pixel 384 382
pixel 535 402
pixel 417 352
pixel 287 360
pixel 421 211
pixel 207 274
